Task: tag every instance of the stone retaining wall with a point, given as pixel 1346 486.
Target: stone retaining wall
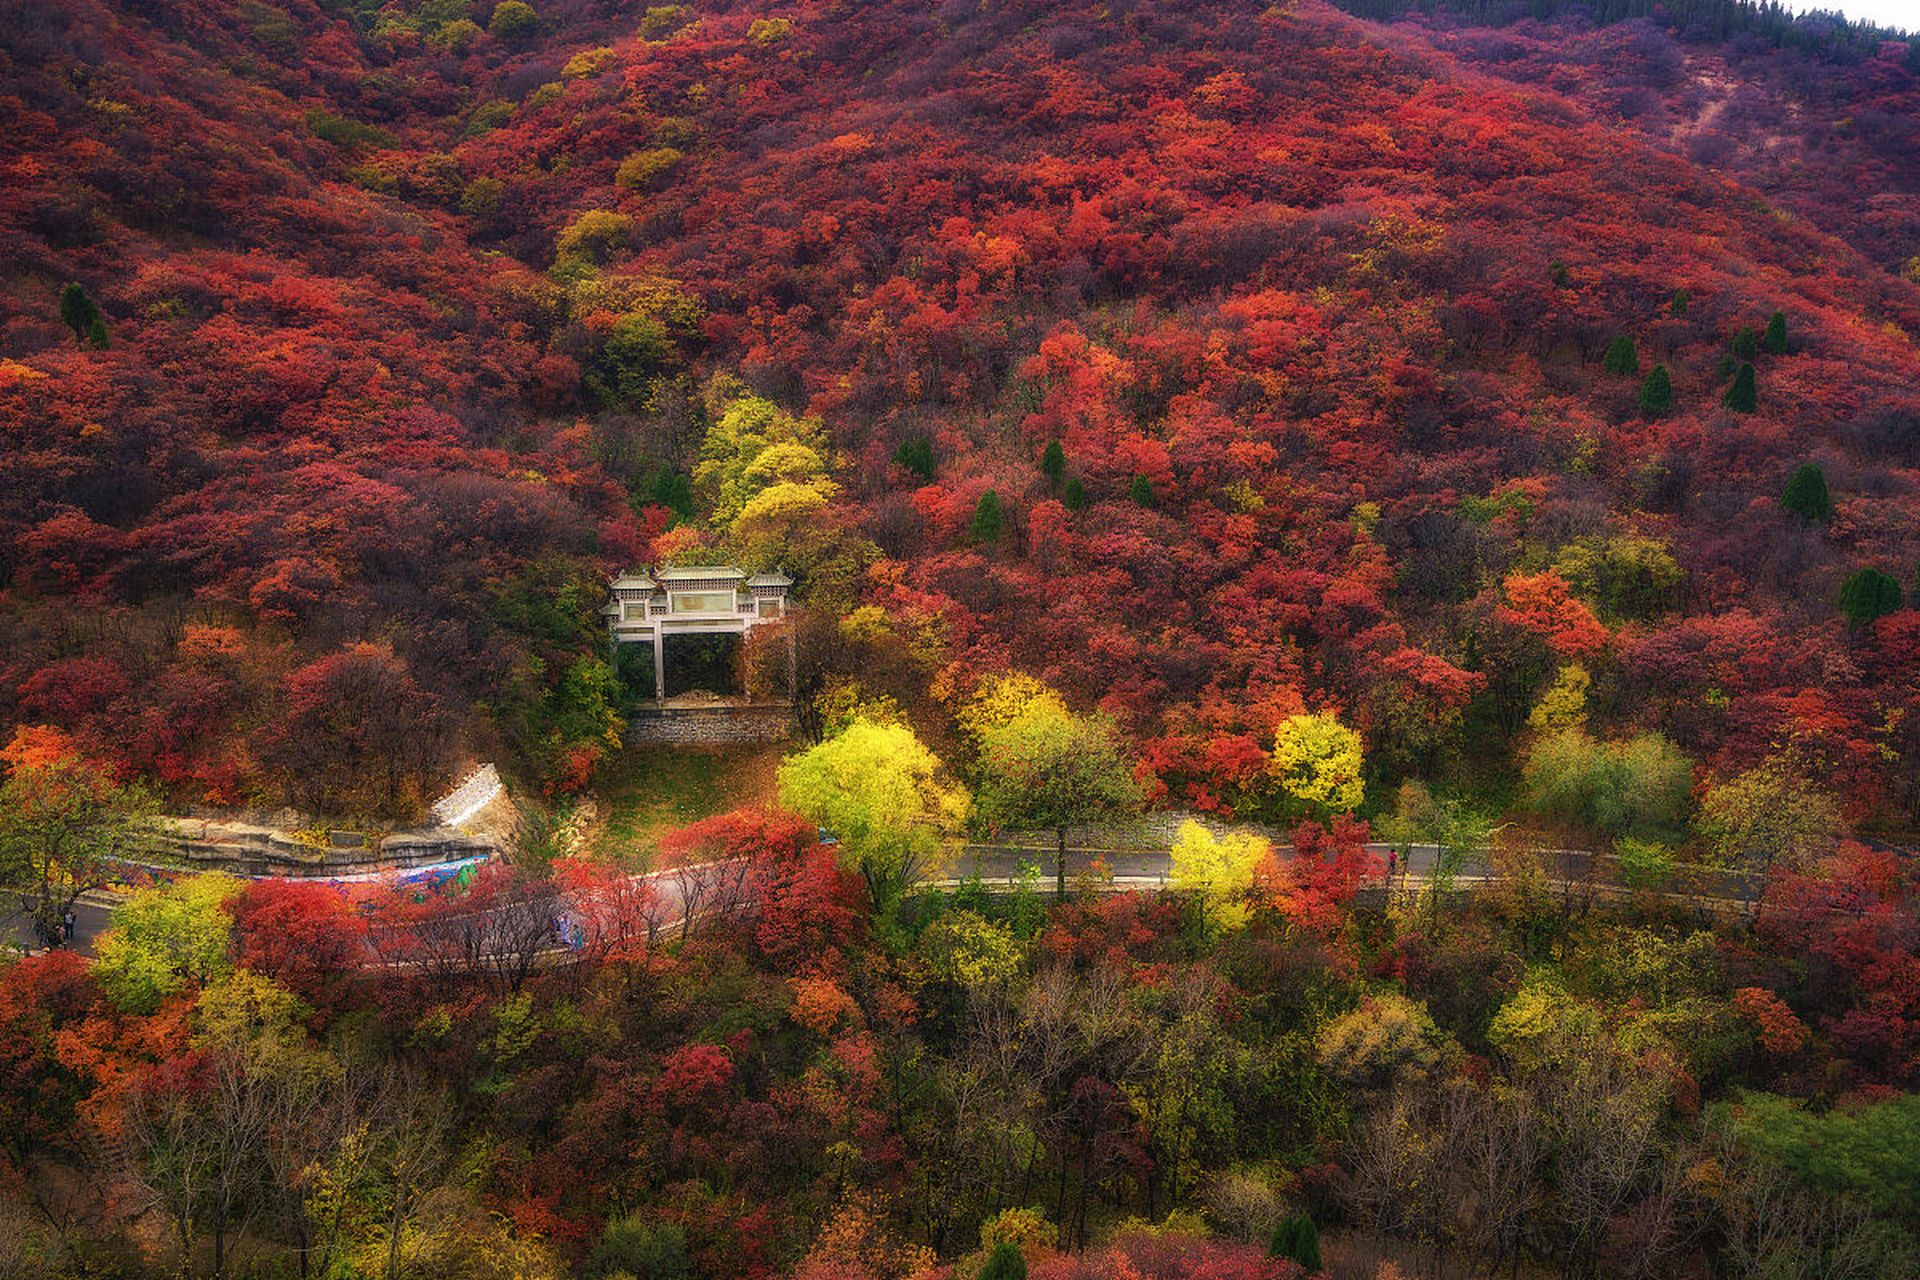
pixel 246 850
pixel 711 726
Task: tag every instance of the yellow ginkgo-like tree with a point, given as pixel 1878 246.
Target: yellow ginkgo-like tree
pixel 1220 869
pixel 1317 763
pixel 879 791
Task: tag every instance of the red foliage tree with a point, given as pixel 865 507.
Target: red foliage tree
pixel 1855 920
pixel 303 935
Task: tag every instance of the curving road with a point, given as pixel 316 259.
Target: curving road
pixel 1130 869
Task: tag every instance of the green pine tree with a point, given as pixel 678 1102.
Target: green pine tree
pixel 1806 494
pixel 1622 357
pixel 1746 343
pixel 1868 594
pixel 97 333
pixel 670 489
pixel 986 518
pixel 1775 340
pixel 1053 464
pixel 1656 393
pixel 1742 396
pixel 916 455
pixel 1682 299
pixel 1558 273
pixel 1006 1262
pixel 1296 1239
pixel 1142 491
pixel 1074 494
pixel 78 313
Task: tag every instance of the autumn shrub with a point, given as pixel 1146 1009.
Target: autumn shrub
pixel 769 31
pixel 487 117
pixel 1779 1030
pixel 455 36
pixel 587 63
pixel 301 934
pixel 165 939
pixel 1245 1203
pixel 481 197
pixel 1025 1228
pixel 662 20
pixel 1644 864
pixel 1636 786
pixel 513 20
pixel 1386 1040
pixel 643 170
pixel 592 237
pixel 346 133
pixel 1626 576
pixel 1766 815
pixel 1317 763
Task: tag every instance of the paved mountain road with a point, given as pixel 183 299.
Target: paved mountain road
pixel 999 865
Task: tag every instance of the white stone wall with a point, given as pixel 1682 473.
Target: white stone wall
pixel 711 726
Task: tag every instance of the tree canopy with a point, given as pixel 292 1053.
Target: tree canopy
pixel 1049 768
pixel 881 794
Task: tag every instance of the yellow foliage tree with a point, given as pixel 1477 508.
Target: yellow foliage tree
pixel 1218 868
pixel 967 950
pixel 1000 699
pixel 755 445
pixel 592 236
pixel 1317 762
pixel 878 789
pixel 166 938
pixel 644 169
pixel 1564 704
pixel 1387 1040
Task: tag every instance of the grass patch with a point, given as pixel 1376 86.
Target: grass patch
pixel 647 791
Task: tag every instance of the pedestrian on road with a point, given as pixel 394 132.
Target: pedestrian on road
pixel 67 923
pixel 1393 859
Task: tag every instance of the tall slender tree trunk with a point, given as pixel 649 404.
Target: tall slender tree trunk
pixel 1065 1234
pixel 1060 864
pixel 1086 1185
pixel 393 1233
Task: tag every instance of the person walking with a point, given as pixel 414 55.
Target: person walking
pixel 68 923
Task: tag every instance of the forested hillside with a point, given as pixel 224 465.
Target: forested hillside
pixel 1379 384
pixel 1487 437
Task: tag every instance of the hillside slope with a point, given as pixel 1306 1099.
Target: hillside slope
pixel 406 319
